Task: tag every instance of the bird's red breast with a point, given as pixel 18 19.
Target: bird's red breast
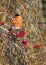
pixel 17 21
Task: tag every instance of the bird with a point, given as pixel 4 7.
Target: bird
pixel 17 21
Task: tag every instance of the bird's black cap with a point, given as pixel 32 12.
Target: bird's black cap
pixel 17 15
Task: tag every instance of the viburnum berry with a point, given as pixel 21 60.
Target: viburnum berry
pixel 10 33
pixel 24 41
pixel 36 46
pixel 1 23
pixel 18 35
pixel 22 33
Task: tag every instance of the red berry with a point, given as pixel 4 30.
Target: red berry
pixel 22 33
pixel 2 23
pixel 10 32
pixel 24 42
pixel 18 35
pixel 36 46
